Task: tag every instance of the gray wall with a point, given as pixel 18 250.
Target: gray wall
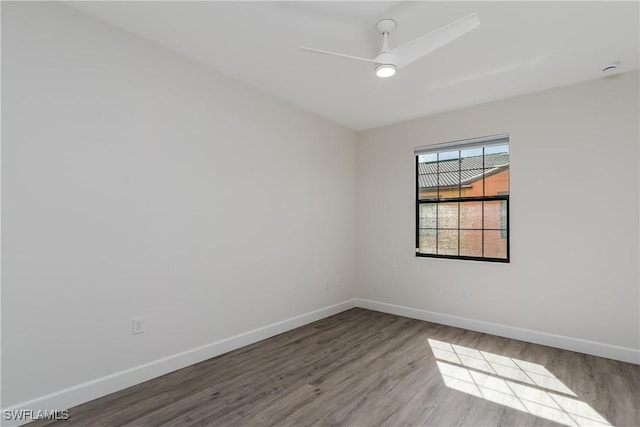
pixel 137 183
pixel 574 215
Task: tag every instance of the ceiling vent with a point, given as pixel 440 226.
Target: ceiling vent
pixel 610 68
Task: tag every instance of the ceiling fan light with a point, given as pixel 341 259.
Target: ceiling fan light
pixel 385 70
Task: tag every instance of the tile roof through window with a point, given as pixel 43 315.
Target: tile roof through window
pixel 460 171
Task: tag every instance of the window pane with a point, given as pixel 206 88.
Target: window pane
pixel 471 159
pixel 471 242
pixel 449 161
pixel 448 242
pixel 503 218
pixel 449 183
pixel 495 214
pixel 496 164
pixel 427 241
pixel 496 181
pixel 495 246
pixel 471 215
pixel 427 167
pixel 448 215
pixel 471 183
pixel 428 186
pixel 428 158
pixel 497 149
pixel 427 215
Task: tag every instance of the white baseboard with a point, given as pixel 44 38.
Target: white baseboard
pixel 99 387
pixel 609 351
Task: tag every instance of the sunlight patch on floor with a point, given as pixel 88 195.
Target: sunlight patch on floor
pixel 517 384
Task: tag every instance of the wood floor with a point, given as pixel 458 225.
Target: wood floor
pixel 364 368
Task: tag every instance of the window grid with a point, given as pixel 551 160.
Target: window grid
pixel 437 200
pixel 484 192
pixel 437 194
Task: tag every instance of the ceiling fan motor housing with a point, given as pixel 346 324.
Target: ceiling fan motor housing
pixel 386 26
pixel 385 58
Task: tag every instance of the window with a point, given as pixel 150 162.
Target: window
pixel 462 199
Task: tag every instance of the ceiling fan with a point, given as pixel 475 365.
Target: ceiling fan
pixel 390 60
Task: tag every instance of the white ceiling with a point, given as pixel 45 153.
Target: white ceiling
pixel 520 47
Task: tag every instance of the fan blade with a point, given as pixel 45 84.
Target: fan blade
pixel 417 48
pixel 326 52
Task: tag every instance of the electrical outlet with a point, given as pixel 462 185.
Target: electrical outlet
pixel 138 325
